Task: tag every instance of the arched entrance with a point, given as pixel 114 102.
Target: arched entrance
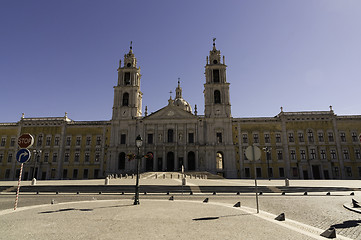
pixel 121 161
pixel 170 161
pixel 149 163
pixel 219 161
pixel 191 161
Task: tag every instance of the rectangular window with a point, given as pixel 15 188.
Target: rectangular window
pixel 97 157
pixel 313 153
pixel 88 140
pixel 294 172
pixel 46 157
pixel 68 141
pixel 270 172
pixel 282 172
pixel 12 142
pixel 333 154
pixel 56 141
pixel 150 138
pixel 216 75
pixel 259 172
pixel 10 157
pixel 3 142
pixel 290 137
pixel 300 137
pixel 78 140
pixel 320 137
pixel 354 137
pixel 255 138
pixel 66 157
pixel 123 138
pixel 303 154
pixel 65 173
pixel 357 154
pixel 343 137
pixel 1 157
pixel 55 157
pixel 266 138
pixel 293 155
pixel 219 137
pixel 349 171
pixel 245 138
pixel 85 173
pixel 87 157
pixel 76 157
pixel 96 173
pixel 323 154
pixel 330 137
pixel 279 155
pixel 75 173
pixel 310 136
pixel 247 173
pixel 191 137
pixel 278 137
pixel 48 141
pixel 170 135
pixel 345 154
pixel 40 140
pixel 99 140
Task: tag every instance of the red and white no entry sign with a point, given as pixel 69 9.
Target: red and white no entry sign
pixel 25 140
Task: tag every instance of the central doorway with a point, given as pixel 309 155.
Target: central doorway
pixel 170 161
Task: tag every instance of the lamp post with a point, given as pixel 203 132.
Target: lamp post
pixel 267 151
pixel 36 156
pixel 138 143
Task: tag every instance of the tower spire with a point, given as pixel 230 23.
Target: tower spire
pixel 214 43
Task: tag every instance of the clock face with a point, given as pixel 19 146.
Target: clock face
pixel 128 65
pixel 124 113
pixel 215 61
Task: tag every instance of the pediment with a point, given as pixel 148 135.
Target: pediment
pixel 171 112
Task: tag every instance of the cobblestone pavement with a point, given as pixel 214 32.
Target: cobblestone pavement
pixel 315 209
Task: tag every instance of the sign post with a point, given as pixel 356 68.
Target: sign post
pixel 253 153
pixel 25 141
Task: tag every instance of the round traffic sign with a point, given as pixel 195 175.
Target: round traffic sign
pixel 25 140
pixel 359 137
pixel 23 155
pixel 253 153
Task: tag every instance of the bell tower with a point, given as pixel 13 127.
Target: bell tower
pixel 127 94
pixel 216 89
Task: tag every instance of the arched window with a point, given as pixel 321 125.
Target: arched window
pixel 121 161
pixel 217 96
pixel 219 161
pixel 125 99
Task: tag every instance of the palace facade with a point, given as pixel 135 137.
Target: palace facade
pixel 295 145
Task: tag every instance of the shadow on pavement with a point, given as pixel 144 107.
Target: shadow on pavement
pixel 214 218
pixel 347 224
pixel 82 209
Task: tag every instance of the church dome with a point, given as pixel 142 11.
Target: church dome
pixel 180 102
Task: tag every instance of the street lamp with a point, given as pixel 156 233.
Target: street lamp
pixel 268 152
pixel 138 143
pixel 36 157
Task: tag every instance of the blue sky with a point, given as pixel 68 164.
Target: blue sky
pixel 62 56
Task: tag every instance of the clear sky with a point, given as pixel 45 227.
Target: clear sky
pixel 62 56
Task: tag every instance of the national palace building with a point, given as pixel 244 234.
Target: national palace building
pixel 301 145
